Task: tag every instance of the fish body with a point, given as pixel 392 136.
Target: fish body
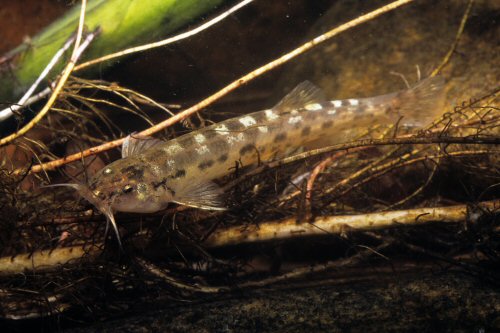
pixel 153 173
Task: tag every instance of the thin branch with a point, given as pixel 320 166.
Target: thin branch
pixel 163 274
pixel 27 97
pixel 315 173
pixel 448 55
pixel 77 51
pixel 422 187
pixel 79 32
pixel 167 41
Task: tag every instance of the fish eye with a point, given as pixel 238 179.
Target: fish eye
pixel 108 171
pixel 128 189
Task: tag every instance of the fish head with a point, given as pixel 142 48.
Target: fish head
pixel 126 185
pixel 136 186
pixel 130 185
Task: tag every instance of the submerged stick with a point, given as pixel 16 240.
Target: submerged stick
pixel 45 259
pixel 289 228
pixel 267 231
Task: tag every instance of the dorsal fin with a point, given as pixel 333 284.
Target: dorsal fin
pixel 303 94
pixel 135 144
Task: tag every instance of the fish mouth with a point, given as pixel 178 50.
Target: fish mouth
pixel 104 206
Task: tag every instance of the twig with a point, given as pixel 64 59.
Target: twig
pixel 9 111
pixel 317 170
pixel 232 86
pixel 162 274
pixel 421 188
pixel 370 168
pixel 121 91
pixel 448 55
pixel 29 307
pixel 288 228
pixel 77 51
pixel 166 41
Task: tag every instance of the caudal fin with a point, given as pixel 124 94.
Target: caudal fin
pixel 422 103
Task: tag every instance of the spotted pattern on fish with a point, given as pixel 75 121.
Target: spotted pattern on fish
pixel 263 129
pixel 247 121
pixel 205 164
pixel 173 148
pixel 295 120
pixel 280 137
pixel 222 129
pixel 306 130
pixel 327 124
pixel 313 107
pixel 336 104
pixel 133 171
pixel 200 138
pixel 271 115
pixel 235 138
pixel 353 102
pixel 201 150
pixel 223 158
pixel 179 173
pixel 248 148
pixel 182 170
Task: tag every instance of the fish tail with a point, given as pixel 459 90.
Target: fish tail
pixel 420 104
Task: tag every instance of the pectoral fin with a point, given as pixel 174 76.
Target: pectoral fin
pixel 203 195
